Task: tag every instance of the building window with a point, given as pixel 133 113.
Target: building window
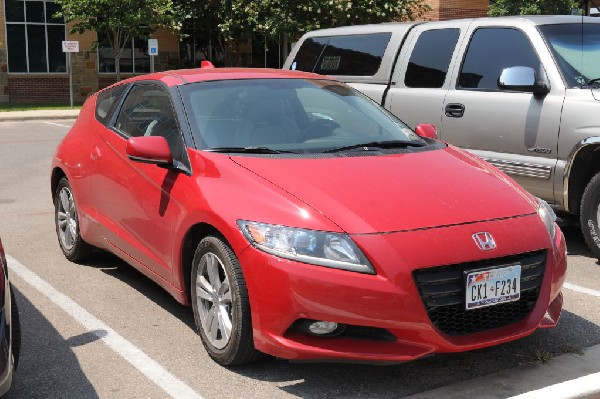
pixel 135 58
pixel 34 37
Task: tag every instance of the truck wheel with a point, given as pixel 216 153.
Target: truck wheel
pixel 590 215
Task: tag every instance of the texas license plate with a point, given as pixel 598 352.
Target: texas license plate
pixel 492 287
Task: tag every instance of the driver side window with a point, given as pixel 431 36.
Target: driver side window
pixel 147 111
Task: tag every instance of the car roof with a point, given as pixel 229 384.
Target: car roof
pixel 186 76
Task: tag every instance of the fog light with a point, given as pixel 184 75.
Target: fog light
pixel 325 328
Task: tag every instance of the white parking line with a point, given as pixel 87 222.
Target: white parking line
pixel 172 385
pixel 577 388
pixel 57 124
pixel 583 290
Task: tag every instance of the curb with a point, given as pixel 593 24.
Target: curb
pixel 20 116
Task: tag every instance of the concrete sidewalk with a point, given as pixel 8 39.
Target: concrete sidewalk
pixel 565 376
pixel 46 114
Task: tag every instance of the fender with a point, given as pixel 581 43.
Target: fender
pixel 583 144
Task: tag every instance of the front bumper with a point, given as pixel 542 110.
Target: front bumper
pixel 283 291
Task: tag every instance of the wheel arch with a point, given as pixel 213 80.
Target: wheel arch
pixel 190 241
pixel 57 174
pixel 582 166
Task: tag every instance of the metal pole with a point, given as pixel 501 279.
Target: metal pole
pixel 151 64
pixel 70 79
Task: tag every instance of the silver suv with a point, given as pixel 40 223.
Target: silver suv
pixel 521 92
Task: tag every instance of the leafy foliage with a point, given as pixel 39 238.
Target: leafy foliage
pixel 120 20
pixel 532 7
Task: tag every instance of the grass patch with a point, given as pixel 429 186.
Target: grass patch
pixel 34 107
pixel 542 355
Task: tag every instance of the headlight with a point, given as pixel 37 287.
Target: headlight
pixel 548 217
pixel 308 246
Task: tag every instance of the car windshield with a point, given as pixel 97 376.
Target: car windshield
pixel 270 116
pixel 576 48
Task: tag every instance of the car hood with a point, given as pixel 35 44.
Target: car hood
pixel 399 192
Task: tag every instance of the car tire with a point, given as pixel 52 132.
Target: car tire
pixel 590 215
pixel 66 220
pixel 220 304
pixel 15 327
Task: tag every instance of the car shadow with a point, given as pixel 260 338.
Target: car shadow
pixel 324 380
pixel 121 270
pixel 48 367
pixel 576 243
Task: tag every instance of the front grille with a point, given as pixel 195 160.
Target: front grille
pixel 442 290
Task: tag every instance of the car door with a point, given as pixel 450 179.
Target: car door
pixel 135 201
pixel 420 82
pixel 515 131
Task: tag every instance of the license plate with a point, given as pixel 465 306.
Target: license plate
pixel 492 287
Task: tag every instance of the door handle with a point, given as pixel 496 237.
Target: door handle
pixel 455 110
pixel 96 153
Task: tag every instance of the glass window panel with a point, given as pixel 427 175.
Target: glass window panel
pixel 56 57
pixel 37 48
pixel 141 57
pixel 353 55
pixel 17 57
pixel 490 51
pixel 309 53
pixel 51 9
pixel 126 61
pixel 15 11
pixel 35 11
pixel 431 58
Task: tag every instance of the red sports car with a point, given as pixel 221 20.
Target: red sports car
pixel 300 219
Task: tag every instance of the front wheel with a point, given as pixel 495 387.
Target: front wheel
pixel 590 215
pixel 220 304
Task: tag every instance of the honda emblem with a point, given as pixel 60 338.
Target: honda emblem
pixel 484 241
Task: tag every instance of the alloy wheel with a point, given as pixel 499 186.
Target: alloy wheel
pixel 66 218
pixel 214 297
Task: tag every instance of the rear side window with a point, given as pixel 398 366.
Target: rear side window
pixel 430 59
pixel 107 101
pixel 490 51
pixel 352 55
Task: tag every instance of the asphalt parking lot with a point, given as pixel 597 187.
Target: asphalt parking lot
pixel 104 330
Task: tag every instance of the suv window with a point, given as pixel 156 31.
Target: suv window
pixel 430 59
pixel 351 55
pixel 107 101
pixel 490 51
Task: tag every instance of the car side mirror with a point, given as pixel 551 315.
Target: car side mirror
pixel 426 130
pixel 523 79
pixel 149 149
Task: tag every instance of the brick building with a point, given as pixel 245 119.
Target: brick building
pixel 33 66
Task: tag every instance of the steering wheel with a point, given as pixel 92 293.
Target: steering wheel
pixel 319 128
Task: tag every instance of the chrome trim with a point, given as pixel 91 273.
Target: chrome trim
pixel 522 169
pixel 569 166
pixel 484 241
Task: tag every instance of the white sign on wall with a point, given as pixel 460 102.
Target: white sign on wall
pixel 70 46
pixel 153 46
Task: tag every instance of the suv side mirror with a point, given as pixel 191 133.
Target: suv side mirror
pixel 426 130
pixel 520 78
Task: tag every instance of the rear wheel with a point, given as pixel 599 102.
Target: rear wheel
pixel 67 224
pixel 590 215
pixel 220 304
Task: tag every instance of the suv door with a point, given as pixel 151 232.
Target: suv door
pixel 421 81
pixel 515 131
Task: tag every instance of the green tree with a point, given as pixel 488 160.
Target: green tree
pixel 532 7
pixel 121 20
pixel 272 18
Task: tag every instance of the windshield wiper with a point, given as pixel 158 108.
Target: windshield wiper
pixel 250 150
pixel 380 145
pixel 593 82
